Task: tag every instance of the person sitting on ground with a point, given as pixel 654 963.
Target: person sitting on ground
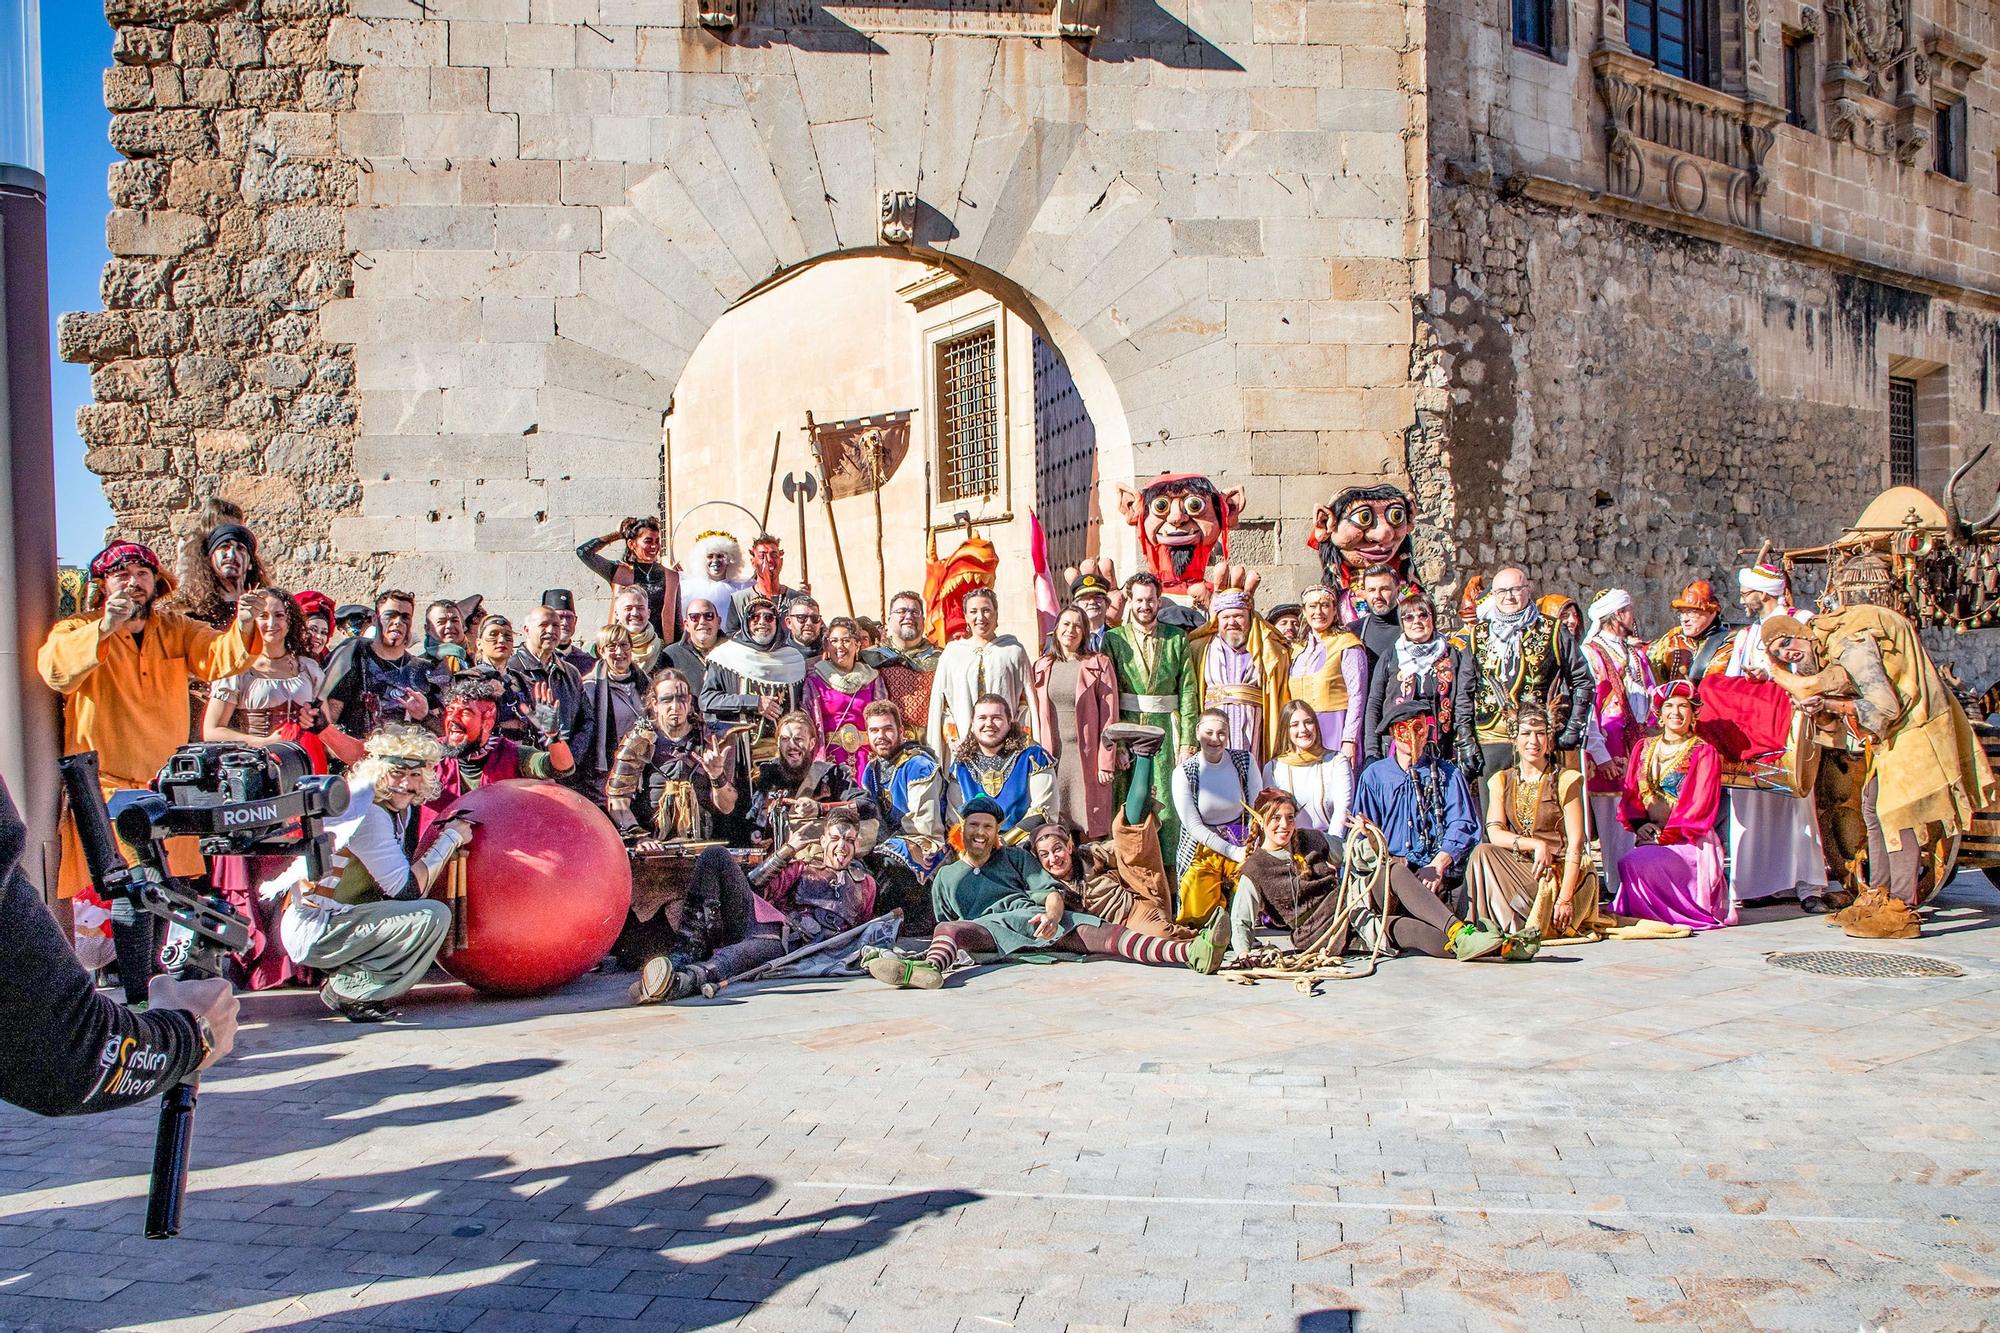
pixel 1292 876
pixel 366 921
pixel 907 786
pixel 986 904
pixel 1534 870
pixel 1672 799
pixel 733 922
pixel 1121 879
pixel 794 787
pixel 475 753
pixel 998 761
pixel 1213 791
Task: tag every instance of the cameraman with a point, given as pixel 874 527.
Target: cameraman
pixel 366 921
pixel 68 1050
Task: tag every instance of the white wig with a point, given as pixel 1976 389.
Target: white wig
pixel 710 542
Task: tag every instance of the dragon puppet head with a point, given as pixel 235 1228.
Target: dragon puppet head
pixel 1364 526
pixel 946 581
pixel 1184 521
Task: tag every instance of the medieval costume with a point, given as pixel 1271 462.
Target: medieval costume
pixel 1213 799
pixel 907 676
pixel 907 788
pixel 477 754
pixel 1322 783
pixel 1157 687
pixel 662 585
pixel 1247 682
pixel 1624 688
pixel 713 574
pixel 1424 811
pixel 1075 699
pixel 1679 655
pixel 1927 773
pixel 1021 780
pixel 1675 787
pixel 1120 880
pixel 1526 660
pixel 776 785
pixel 966 669
pixel 1500 880
pixel 1330 672
pixel 611 707
pixel 742 673
pixel 658 789
pixel 1439 671
pixel 1774 846
pixel 1299 888
pixel 835 700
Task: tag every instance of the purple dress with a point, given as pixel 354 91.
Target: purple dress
pixel 1679 879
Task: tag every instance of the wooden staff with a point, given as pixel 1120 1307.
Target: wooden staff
pixel 764 523
pixel 881 537
pixel 826 495
pixel 894 914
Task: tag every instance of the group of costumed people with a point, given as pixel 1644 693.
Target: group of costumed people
pixel 1171 771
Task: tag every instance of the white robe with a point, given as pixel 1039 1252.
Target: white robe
pixel 1774 844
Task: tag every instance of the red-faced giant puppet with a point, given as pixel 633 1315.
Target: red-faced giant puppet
pixel 1184 523
pixel 1364 526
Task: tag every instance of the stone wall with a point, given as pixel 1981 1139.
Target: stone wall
pixel 210 371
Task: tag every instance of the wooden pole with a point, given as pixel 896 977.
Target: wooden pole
pixel 881 537
pixel 832 525
pixel 764 523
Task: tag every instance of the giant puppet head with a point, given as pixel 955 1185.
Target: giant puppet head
pixel 946 582
pixel 1184 523
pixel 1365 525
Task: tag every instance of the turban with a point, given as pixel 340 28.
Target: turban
pixel 223 533
pixel 1673 689
pixel 1606 605
pixel 1765 578
pixel 1229 600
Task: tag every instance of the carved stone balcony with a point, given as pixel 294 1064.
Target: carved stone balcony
pixel 1678 145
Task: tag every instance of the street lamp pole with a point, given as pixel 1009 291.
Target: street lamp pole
pixel 29 729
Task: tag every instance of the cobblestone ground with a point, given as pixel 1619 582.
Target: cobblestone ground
pixel 1666 1134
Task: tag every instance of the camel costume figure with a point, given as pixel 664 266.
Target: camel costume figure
pixel 1926 774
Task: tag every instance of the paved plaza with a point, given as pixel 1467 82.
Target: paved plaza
pixel 1671 1134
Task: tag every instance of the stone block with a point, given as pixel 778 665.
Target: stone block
pixel 454 135
pixel 1315 365
pixel 1361 321
pixel 416 457
pixel 509 182
pixel 477 43
pixel 546 274
pixel 392 88
pixel 354 41
pixel 525 228
pixel 162 134
pixel 557 137
pixel 94 336
pixel 128 88
pixel 487 410
pixel 289 229
pixel 154 232
pixel 600 184
pixel 542 45
pixel 1301 409
pixel 1235 237
pixel 521 90
pixel 417 228
pixel 516 318
pixel 139 380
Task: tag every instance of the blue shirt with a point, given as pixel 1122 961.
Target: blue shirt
pixel 1422 811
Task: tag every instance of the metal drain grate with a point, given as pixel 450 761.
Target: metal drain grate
pixel 1856 963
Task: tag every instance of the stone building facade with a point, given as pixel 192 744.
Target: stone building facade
pixel 416 282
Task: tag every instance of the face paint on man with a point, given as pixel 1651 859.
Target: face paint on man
pixel 467 724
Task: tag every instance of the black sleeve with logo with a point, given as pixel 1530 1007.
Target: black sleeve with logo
pixel 64 1048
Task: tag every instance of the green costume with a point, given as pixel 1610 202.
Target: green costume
pixel 1165 693
pixel 999 897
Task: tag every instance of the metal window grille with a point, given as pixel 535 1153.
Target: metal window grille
pixel 968 416
pixel 1902 432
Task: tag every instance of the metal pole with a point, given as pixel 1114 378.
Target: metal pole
pixel 30 734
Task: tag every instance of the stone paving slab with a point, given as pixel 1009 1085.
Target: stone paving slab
pixel 1661 1134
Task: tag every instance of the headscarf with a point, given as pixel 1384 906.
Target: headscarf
pixel 1607 604
pixel 1230 599
pixel 1764 577
pixel 223 533
pixel 1418 659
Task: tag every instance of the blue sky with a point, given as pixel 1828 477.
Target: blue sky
pixel 76 49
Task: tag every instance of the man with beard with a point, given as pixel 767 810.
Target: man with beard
pixel 1376 623
pixel 1774 845
pixel 983 662
pixel 537 672
pixel 767 567
pixel 907 786
pixel 754 678
pixel 907 662
pixel 475 753
pixel 444 636
pixel 630 609
pixel 716 577
pixel 996 760
pixel 805 627
pixel 123 674
pixel 701 629
pixel 220 564
pixel 1157 687
pixel 563 603
pixel 793 787
pixel 641 568
pixel 1184 523
pixel 1624 682
pixel 370 681
pixel 1701 645
pixel 1526 661
pixel 1289 619
pixel 1244 674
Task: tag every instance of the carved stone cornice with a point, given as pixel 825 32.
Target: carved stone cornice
pixel 1678 145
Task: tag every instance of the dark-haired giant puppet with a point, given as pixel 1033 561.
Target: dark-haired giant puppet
pixel 1183 520
pixel 1364 526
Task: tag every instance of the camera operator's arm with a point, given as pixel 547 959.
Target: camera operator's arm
pixel 64 1048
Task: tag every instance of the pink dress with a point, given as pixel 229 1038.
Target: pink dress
pixel 1680 879
pixel 836 698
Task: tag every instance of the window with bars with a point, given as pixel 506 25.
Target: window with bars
pixel 968 415
pixel 1902 431
pixel 1682 37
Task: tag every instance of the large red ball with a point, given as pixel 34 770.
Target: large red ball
pixel 547 887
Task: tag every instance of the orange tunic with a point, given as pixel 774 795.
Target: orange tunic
pixel 127 699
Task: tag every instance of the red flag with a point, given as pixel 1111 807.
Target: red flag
pixel 1048 606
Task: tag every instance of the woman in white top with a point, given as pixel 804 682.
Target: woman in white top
pixel 1213 791
pixel 1319 779
pixel 274 698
